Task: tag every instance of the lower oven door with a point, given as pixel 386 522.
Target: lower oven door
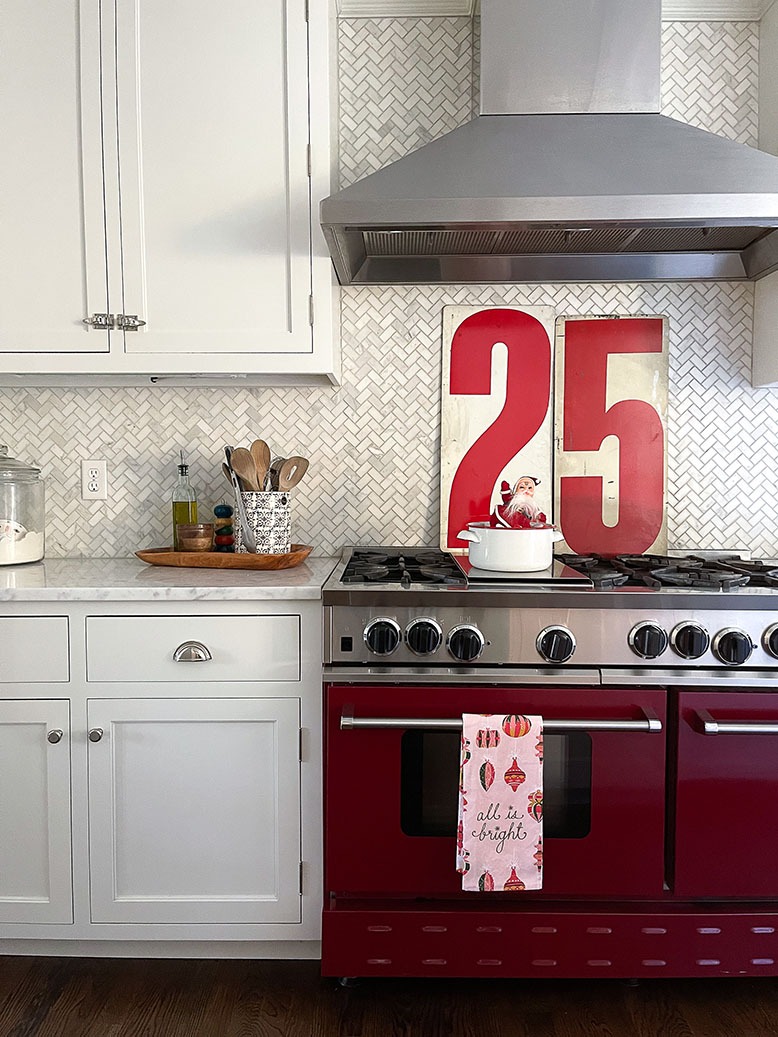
pixel 727 792
pixel 391 788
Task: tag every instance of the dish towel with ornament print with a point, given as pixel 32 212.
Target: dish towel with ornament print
pixel 500 830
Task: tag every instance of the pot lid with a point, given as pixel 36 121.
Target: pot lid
pixel 12 468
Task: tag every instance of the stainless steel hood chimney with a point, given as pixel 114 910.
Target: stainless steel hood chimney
pixel 568 174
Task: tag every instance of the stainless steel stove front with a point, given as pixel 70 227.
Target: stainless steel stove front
pixel 435 634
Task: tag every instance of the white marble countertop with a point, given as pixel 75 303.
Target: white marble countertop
pixel 129 579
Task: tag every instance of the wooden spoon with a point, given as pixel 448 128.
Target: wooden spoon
pixel 291 472
pixel 242 463
pixel 260 451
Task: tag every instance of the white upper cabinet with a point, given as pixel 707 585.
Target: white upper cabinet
pixel 168 161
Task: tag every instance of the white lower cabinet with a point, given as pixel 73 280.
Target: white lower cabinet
pixel 160 778
pixel 35 829
pixel 194 810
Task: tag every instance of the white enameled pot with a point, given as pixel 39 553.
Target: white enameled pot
pixel 510 550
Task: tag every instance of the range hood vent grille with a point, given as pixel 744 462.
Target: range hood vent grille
pixel 556 240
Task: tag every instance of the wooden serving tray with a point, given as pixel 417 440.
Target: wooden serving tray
pixel 222 559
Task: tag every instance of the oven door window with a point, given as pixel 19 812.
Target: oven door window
pixel 430 777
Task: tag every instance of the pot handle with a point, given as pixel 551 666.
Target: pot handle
pixel 468 534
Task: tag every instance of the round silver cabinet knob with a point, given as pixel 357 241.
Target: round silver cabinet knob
pixel 95 734
pixel 54 736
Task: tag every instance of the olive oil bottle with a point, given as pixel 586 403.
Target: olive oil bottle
pixel 184 501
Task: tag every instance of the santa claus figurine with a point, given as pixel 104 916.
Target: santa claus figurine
pixel 519 509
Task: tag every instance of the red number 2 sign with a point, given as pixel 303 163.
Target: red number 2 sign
pixel 496 420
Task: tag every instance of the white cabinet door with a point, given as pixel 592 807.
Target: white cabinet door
pixel 213 154
pixel 163 165
pixel 35 841
pixel 194 810
pixel 52 222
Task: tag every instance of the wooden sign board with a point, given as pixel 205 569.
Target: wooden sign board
pixel 496 412
pixel 610 407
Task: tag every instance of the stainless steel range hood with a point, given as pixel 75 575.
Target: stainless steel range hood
pixel 569 173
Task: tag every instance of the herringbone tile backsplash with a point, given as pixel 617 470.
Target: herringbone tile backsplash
pixel 373 443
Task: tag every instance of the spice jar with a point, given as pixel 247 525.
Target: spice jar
pixel 21 511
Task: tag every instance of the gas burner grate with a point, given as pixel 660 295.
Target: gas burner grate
pixel 403 566
pixel 694 576
pixel 601 571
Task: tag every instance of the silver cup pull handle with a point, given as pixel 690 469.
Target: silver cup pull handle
pixel 54 736
pixel 95 734
pixel 191 652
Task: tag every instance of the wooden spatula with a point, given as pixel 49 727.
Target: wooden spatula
pixel 260 451
pixel 242 464
pixel 291 472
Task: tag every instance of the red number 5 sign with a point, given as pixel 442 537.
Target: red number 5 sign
pixel 610 404
pixel 611 446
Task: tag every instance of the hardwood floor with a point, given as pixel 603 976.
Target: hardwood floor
pixel 98 997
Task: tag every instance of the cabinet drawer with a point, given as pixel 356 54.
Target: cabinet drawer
pixel 34 649
pixel 236 648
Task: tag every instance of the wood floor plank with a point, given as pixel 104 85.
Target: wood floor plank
pixel 98 997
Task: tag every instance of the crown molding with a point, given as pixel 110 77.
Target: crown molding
pixel 672 10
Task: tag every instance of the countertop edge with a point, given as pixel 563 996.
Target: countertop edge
pixel 129 579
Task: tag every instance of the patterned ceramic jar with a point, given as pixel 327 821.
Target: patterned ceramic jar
pixel 268 516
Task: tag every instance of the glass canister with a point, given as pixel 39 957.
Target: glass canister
pixel 22 511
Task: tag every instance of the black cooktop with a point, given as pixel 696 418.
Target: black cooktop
pixel 723 572
pixel 429 565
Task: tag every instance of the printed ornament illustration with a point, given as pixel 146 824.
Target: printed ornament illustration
pixel 516 726
pixel 514 776
pixel 487 739
pixel 538 854
pixel 466 754
pixel 486 775
pixel 539 748
pixel 513 883
pixel 535 806
pixel 486 883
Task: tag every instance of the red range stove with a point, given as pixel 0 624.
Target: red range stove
pixel 657 681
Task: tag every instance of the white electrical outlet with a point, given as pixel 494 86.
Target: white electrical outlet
pixel 94 480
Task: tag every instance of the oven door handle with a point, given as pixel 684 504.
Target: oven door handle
pixel 711 726
pixel 650 724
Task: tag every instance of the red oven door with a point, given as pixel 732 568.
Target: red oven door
pixel 391 790
pixel 726 843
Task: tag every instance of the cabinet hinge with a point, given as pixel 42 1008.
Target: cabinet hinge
pixel 307 10
pixel 310 310
pixel 310 161
pixel 104 321
pixel 129 321
pixel 300 746
pixel 302 866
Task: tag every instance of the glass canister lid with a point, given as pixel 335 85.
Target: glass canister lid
pixel 12 468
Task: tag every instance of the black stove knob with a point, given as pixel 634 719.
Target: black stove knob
pixel 423 636
pixel 555 644
pixel 690 640
pixel 466 643
pixel 732 646
pixel 382 636
pixel 770 640
pixel 648 640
